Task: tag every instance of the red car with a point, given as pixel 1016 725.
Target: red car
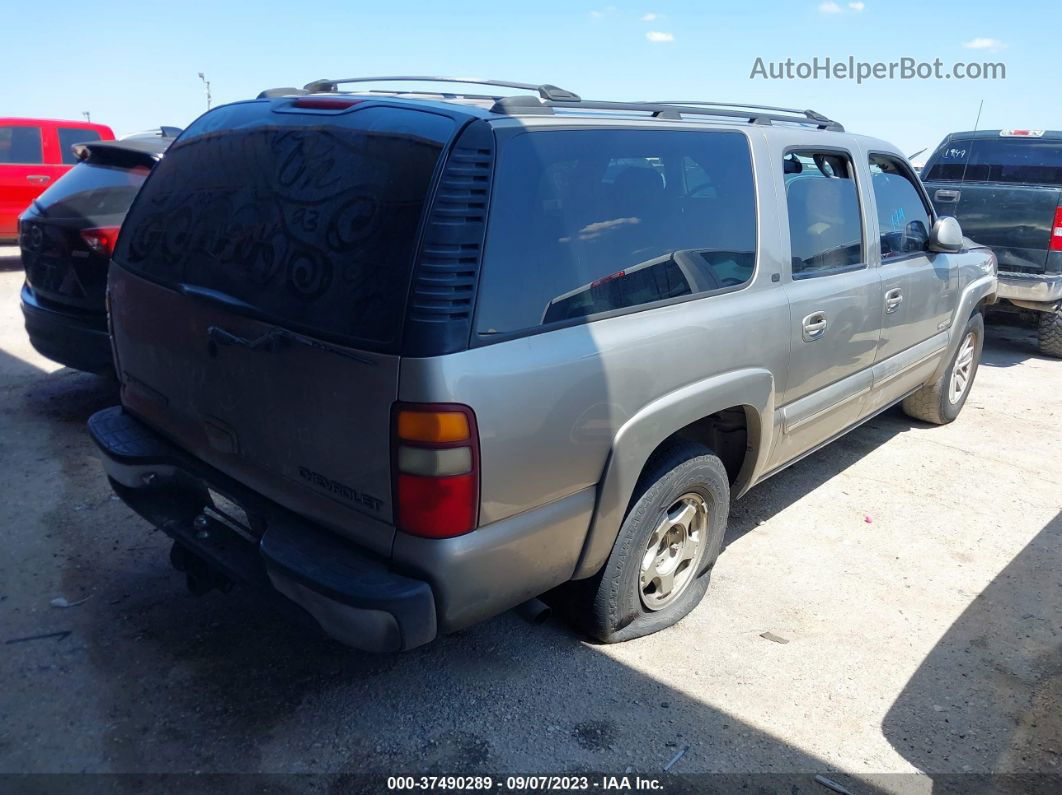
pixel 34 153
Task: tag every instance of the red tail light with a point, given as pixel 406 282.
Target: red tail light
pixel 436 469
pixel 1056 231
pixel 101 240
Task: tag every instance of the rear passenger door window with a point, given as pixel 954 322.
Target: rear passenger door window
pixel 948 163
pixel 21 145
pixel 825 222
pixel 586 223
pixel 68 136
pixel 903 217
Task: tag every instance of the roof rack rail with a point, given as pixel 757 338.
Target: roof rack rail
pixel 752 114
pixel 810 115
pixel 545 90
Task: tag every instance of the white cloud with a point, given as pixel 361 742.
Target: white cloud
pixel 982 43
pixel 650 17
pixel 857 6
pixel 658 37
pixel 830 8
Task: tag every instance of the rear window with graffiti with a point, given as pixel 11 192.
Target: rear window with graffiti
pixel 309 220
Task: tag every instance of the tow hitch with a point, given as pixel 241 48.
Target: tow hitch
pixel 201 577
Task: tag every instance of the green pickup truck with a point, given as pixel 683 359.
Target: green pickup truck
pixel 1005 188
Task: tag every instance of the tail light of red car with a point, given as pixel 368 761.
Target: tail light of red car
pixel 435 453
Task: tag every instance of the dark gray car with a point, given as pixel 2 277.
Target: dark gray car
pixel 412 359
pixel 1005 187
pixel 66 237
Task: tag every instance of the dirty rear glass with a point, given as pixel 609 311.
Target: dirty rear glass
pixel 594 221
pixel 310 219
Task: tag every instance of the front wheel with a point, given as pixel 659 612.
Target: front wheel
pixel 659 567
pixel 941 401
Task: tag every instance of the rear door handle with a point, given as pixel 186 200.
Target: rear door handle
pixel 893 299
pixel 943 195
pixel 38 178
pixel 814 326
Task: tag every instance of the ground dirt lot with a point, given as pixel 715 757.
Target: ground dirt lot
pixel 913 570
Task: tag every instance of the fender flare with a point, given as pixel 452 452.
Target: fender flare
pixel 975 292
pixel 643 432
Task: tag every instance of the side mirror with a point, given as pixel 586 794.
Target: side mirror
pixel 946 235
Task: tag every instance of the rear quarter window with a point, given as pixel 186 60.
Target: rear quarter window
pixel 585 223
pixel 310 219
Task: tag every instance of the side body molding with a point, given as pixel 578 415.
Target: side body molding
pixel 637 438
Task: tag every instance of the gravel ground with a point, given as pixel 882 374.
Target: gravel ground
pixel 913 572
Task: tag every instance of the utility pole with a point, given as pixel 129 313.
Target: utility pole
pixel 87 115
pixel 207 84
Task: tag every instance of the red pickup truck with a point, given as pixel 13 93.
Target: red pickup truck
pixel 34 153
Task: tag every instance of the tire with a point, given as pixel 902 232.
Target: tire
pixel 683 476
pixel 937 402
pixel 1049 332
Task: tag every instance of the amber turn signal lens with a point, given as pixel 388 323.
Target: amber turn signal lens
pixel 432 426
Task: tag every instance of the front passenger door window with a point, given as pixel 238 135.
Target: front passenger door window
pixel 903 218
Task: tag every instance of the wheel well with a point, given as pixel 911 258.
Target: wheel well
pixel 726 432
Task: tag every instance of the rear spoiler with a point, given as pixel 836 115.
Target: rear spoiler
pixel 131 151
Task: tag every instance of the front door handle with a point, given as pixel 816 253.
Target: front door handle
pixel 814 326
pixel 893 299
pixel 42 178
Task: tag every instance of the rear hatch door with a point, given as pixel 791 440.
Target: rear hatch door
pixel 258 294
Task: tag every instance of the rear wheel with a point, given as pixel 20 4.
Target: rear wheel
pixel 1050 333
pixel 660 565
pixel 941 401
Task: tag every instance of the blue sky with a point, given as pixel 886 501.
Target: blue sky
pixel 134 64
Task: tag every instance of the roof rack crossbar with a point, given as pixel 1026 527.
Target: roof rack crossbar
pixel 544 90
pixel 672 110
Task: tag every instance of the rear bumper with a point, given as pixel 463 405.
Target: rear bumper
pixel 355 598
pixel 1036 288
pixel 76 340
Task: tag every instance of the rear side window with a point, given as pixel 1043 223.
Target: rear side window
pixel 903 219
pixel 1032 161
pixel 68 136
pixel 21 145
pixel 948 162
pixel 589 222
pixel 310 219
pixel 90 191
pixel 825 223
